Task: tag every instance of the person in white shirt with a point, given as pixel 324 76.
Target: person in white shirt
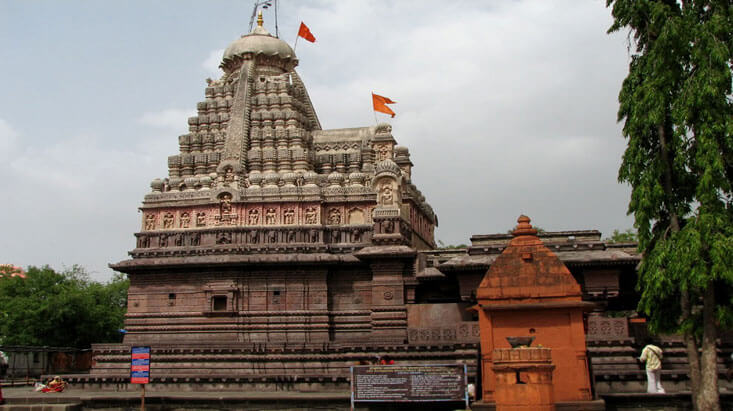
pixel 652 356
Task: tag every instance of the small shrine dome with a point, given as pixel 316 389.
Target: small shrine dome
pixel 259 41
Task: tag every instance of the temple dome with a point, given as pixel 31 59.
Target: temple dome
pixel 259 41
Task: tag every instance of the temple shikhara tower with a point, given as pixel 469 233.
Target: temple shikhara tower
pixel 272 232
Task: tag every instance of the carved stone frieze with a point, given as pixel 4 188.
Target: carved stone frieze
pixel 150 222
pixel 271 216
pixel 253 217
pixel 311 215
pixel 334 216
pixel 185 220
pixel 168 220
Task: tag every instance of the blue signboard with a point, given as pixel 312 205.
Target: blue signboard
pixel 140 365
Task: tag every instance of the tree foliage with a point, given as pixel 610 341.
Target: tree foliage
pixel 677 112
pixel 64 309
pixel 628 236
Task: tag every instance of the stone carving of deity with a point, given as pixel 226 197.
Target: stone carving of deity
pixel 272 236
pixel 163 241
pixel 289 216
pixel 195 239
pixel 254 217
pixel 334 216
pixel 311 217
pixel 270 216
pixel 386 194
pixel 225 203
pixel 201 219
pixel 150 222
pixel 168 220
pixel 291 236
pixel 228 175
pixel 388 227
pixel 313 236
pixel 383 152
pixel 185 220
pixel 355 236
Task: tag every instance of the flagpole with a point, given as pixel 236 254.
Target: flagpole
pixel 296 43
pixel 374 111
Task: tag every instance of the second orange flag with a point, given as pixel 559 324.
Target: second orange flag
pixel 380 104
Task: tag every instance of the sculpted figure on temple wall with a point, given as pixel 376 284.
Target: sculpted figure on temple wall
pixel 185 220
pixel 225 203
pixel 254 217
pixel 313 236
pixel 386 196
pixel 150 222
pixel 334 216
pixel 168 220
pixel 383 151
pixel 289 216
pixel 201 219
pixel 270 216
pixel 388 227
pixel 291 236
pixel 228 175
pixel 355 236
pixel 311 216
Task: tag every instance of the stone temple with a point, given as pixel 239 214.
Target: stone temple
pixel 279 252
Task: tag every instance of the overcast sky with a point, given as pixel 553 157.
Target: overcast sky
pixel 507 107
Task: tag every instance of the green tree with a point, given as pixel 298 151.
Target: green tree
pixel 61 309
pixel 443 246
pixel 628 236
pixel 676 107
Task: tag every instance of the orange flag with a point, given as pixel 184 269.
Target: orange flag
pixel 380 104
pixel 305 32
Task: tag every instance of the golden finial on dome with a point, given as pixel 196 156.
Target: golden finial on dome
pixel 259 18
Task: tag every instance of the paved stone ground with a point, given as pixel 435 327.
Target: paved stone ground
pixel 24 399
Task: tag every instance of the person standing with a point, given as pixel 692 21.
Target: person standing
pixel 652 356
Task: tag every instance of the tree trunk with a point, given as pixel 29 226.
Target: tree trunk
pixel 693 359
pixel 708 396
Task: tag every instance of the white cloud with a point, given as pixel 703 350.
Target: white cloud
pixel 170 118
pixel 8 136
pixel 211 64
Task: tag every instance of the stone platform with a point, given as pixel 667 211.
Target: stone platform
pixel 75 399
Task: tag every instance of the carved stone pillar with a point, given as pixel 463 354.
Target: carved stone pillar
pixel 388 313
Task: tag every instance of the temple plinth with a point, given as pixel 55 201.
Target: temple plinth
pixel 523 379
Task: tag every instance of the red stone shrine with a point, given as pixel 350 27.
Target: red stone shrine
pixel 528 292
